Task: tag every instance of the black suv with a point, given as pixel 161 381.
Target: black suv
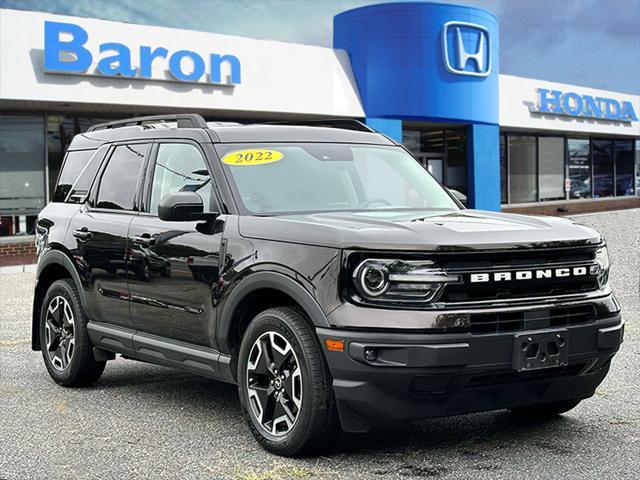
pixel 322 270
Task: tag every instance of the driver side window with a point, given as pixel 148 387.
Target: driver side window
pixel 180 167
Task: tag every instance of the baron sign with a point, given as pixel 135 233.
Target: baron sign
pixel 572 104
pixel 65 51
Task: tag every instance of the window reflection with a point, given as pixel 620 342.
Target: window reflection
pixel 522 168
pixel 22 180
pixel 602 154
pixel 551 153
pixel 624 160
pixel 579 168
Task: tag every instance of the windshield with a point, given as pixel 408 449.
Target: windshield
pixel 314 177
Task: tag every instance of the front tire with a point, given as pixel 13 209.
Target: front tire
pixel 545 411
pixel 66 348
pixel 284 384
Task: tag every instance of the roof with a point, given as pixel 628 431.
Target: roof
pixel 296 133
pixel 194 127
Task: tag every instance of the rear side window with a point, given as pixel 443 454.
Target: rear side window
pixel 81 188
pixel 120 178
pixel 73 165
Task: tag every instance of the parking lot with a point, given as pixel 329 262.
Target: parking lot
pixel 143 421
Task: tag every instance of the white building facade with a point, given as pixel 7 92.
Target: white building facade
pixel 502 140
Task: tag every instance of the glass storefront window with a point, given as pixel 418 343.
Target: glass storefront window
pixel 624 160
pixel 442 152
pixel 602 155
pixel 60 132
pixel 579 168
pixel 432 141
pixel 22 172
pixel 551 158
pixel 522 169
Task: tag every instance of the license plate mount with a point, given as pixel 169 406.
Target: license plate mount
pixel 539 350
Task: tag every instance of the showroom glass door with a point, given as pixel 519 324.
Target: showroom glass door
pixel 579 168
pixel 602 156
pixel 434 165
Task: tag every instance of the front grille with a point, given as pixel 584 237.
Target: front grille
pixel 482 323
pixel 490 263
pixel 540 288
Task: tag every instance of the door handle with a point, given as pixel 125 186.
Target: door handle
pixel 82 234
pixel 144 240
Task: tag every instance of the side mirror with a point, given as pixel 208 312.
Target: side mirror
pixel 461 197
pixel 183 207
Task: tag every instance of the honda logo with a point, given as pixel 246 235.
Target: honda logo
pixel 466 49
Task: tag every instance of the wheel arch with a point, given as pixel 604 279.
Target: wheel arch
pixel 257 292
pixel 53 265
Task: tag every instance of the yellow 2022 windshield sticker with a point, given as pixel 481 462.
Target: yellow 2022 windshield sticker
pixel 252 157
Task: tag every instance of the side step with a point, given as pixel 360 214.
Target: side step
pixel 191 358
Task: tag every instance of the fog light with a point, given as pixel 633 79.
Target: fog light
pixel 370 355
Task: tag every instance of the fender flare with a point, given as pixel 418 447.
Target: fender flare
pixel 52 257
pixel 272 280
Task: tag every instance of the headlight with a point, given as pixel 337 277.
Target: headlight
pixel 602 261
pixel 387 281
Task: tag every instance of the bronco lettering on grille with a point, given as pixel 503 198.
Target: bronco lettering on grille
pixel 539 274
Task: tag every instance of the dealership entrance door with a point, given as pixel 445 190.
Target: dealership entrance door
pixel 434 163
pixel 441 150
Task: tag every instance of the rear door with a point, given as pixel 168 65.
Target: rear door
pixel 175 265
pixel 100 230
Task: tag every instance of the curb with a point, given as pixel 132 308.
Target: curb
pixel 18 269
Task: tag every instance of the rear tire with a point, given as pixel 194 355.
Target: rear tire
pixel 545 410
pixel 66 348
pixel 285 386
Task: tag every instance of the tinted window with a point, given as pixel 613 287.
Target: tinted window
pixel 180 168
pixel 623 150
pixel 602 154
pixel 73 165
pixel 120 178
pixel 83 184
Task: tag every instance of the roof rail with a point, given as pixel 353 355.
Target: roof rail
pixel 345 123
pixel 184 120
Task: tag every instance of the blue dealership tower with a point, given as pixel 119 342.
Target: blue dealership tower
pixel 435 64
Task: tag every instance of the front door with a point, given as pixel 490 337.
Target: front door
pixel 174 266
pixel 100 232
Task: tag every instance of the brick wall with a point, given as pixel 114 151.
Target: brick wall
pixel 18 251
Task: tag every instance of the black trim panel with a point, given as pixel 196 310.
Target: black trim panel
pixel 195 359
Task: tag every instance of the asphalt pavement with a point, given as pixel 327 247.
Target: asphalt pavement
pixel 144 421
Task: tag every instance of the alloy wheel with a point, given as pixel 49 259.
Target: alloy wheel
pixel 59 332
pixel 274 383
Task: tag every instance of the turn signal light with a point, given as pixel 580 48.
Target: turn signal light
pixel 334 345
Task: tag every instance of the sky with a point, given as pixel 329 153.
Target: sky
pixel 594 43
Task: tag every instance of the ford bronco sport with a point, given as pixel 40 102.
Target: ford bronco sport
pixel 322 270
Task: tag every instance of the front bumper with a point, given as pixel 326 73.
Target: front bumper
pixel 418 375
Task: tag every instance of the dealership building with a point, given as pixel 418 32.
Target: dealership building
pixel 425 74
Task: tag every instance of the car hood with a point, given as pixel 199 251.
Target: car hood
pixel 435 230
